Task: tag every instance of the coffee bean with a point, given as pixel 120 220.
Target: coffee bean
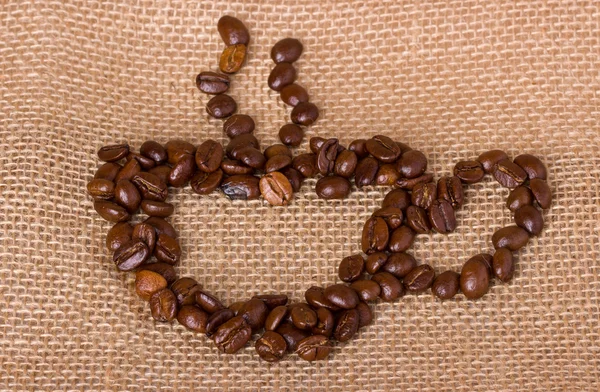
pixel 347 325
pixel 375 235
pixel 314 348
pixel 271 346
pixel 209 156
pixel 341 296
pixel 401 239
pixel 393 216
pixel 284 74
pixel 303 317
pixel 293 94
pixel 147 283
pixel 233 31
pixel 332 187
pixel 204 183
pixel 474 278
pixel 167 249
pixel 519 197
pixel 118 235
pixel 239 142
pixel 277 163
pixel 238 124
pixel 252 157
pixel 450 189
pixel 326 156
pixel 541 192
pixel 367 290
pixel 306 164
pixel 277 150
pixel 233 167
pixel 511 237
pixel 532 166
pixel 154 150
pixel 150 186
pixel 145 233
pixel 383 148
pixel 209 303
pixel 291 135
pixel 417 219
pixel 412 164
pixel 131 255
pixel 165 270
pixel 212 82
pixel 391 288
pixel 419 279
pixel 232 58
pixel 294 177
pixel 232 335
pixel 503 265
pixel 145 163
pixel 161 226
pixel 110 211
pixel 387 175
pixel 315 143
pixel 286 50
pixel 157 208
pixel 325 323
pixel 177 148
pixel 400 264
pixel 129 170
pixel 163 305
pixel 441 216
pixel 446 285
pixel 292 335
pixel 107 171
pixel 365 315
pixel 255 313
pixel 366 171
pixel 509 174
pixel 113 152
pixel 410 183
pixel 276 189
pixel 236 307
pixel 185 290
pixel 469 172
pixel 423 195
pixel 529 218
pixel 345 164
pixel 315 296
pixel 272 300
pixel 375 261
pixel 221 106
pixel 162 172
pixel 217 319
pixel 193 318
pixel 398 198
pixel 359 147
pixel 489 159
pixel 275 318
pixel 127 195
pixel 351 268
pixel 101 189
pixel 241 187
pixel 305 113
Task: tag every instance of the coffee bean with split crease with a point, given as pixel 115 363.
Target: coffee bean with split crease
pixel 398 198
pixel 212 82
pixel 161 226
pixel 239 142
pixel 271 346
pixel 293 94
pixel 441 216
pixel 519 197
pixel 204 183
pixel 446 285
pixel 255 312
pixel 193 318
pixel 118 235
pixel 511 237
pixel 541 192
pixel 365 315
pixel 303 317
pixel 383 148
pixel 351 268
pixel 233 31
pixel 209 156
pixel 341 296
pixel 367 290
pixel 241 187
pixel 305 113
pixel 277 149
pixel 221 106
pixel 232 335
pixel 131 255
pixel 232 167
pixel 147 283
pixel 359 147
pixel 145 233
pixel 417 219
pixel 272 300
pixel 177 148
pixel 209 303
pixel 391 288
pixel 101 189
pixel 411 183
pixel 275 318
pixel 393 216
pixel 217 319
pixel 387 175
pixel 325 323
pixel 154 150
pixel 315 296
pixel 276 189
pixel 277 163
pixel 314 348
pixel 238 124
pixel 474 278
pixel 232 58
pixel 503 266
pixel 127 195
pixel 110 211
pixel 399 264
pixel 326 156
pixel 306 164
pixel 450 189
pixel 469 172
pixel 345 163
pixel 423 195
pixel 332 187
pixel 145 163
pixel 108 171
pixel 375 235
pixel 375 261
pixel 401 239
pixel 489 159
pixel 286 50
pixel 294 177
pixel 419 279
pixel 157 208
pixel 113 152
pixel 162 172
pixel 167 249
pixel 530 219
pixel 347 325
pixel 509 174
pixel 532 166
pixel 284 74
pixel 166 270
pixel 292 335
pixel 185 290
pixel 150 186
pixel 163 305
pixel 252 157
pixel 366 171
pixel 291 135
pixel 412 164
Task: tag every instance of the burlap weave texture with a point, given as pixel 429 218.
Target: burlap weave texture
pixel 451 78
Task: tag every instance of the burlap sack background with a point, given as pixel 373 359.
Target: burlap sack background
pixel 452 79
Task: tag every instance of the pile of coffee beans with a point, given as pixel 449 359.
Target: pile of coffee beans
pixel 129 181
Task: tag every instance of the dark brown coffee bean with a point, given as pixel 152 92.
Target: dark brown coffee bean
pixel 305 113
pixel 101 189
pixel 163 305
pixel 161 226
pixel 232 167
pixel 359 147
pixel 271 347
pixel 303 317
pixel 145 163
pixel 315 296
pixel 401 239
pixel 204 183
pixel 387 175
pixel 441 216
pixel 446 285
pixel 238 124
pixel 118 235
pixel 110 211
pixel 212 82
pixel 131 255
pixel 154 150
pixel 347 325
pixel 345 164
pixel 529 218
pixel 315 143
pixel 375 261
pixel 417 219
pixel 167 249
pixel 509 174
pixel 276 189
pixel 177 148
pixel 351 268
pixel 232 335
pixel 286 50
pixel 393 216
pixel 365 315
pixel 375 235
pixel 275 318
pixel 252 157
pixel 232 58
pixel 383 148
pixel 325 323
pixel 398 198
pixel 400 264
pixel 277 163
pixel 391 288
pixel 209 303
pixel 236 307
pixel 241 187
pixel 412 164
pixel 113 152
pixel 166 270
pixel 127 195
pixel 332 187
pixel 306 164
pixel 367 290
pixel 541 192
pixel 474 278
pixel 450 189
pixel 419 279
pixel 292 335
pixel 217 319
pixel 314 348
pixel 511 237
pixel 532 166
pixel 277 149
pixel 291 135
pixel 503 265
pixel 326 156
pixel 108 171
pixel 145 233
pixel 469 172
pixel 293 94
pixel 150 186
pixel 162 172
pixel 157 208
pixel 221 106
pixel 147 283
pixel 185 290
pixel 272 300
pixel 284 74
pixel 209 156
pixel 366 171
pixel 341 296
pixel 404 147
pixel 255 313
pixel 519 197
pixel 423 195
pixel 233 31
pixel 193 318
pixel 410 183
pixel 239 142
pixel 489 159
pixel 294 177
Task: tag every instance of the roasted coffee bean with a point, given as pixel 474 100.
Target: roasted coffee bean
pixel 277 163
pixel 177 148
pixel 474 278
pixel 446 285
pixel 110 211
pixel 441 216
pixel 359 147
pixel 383 148
pixel 167 249
pixel 365 315
pixel 400 264
pixel 401 239
pixel 286 50
pixel 232 58
pixel 375 261
pixel 315 143
pixel 341 296
pixel 161 226
pixel 193 318
pixel 221 106
pixel 489 159
pixel 165 270
pixel 162 172
pixel 469 172
pixel 101 189
pixel 315 296
pixel 209 303
pixel 282 75
pixel 209 156
pixel 375 235
pixel 403 147
pixel 204 183
pixel 291 135
pixel 326 156
pixel 332 187
pixel 241 187
pixel 271 346
pixel 519 197
pixel 147 283
pixel 509 174
pixel 532 166
pixel 275 318
pixel 217 319
pixel 239 142
pixel 252 157
pixel 185 290
pixel 212 82
pixel 157 208
pixel 232 335
pixel 303 317
pixel 293 94
pixel 314 348
pixel 154 150
pixel 423 195
pixel 127 195
pixel 292 335
pixel 530 219
pixel 232 167
pixel 118 235
pixel 108 171
pixel 345 164
pixel 150 186
pixel 387 175
pixel 511 237
pixel 306 164
pixel 503 265
pixel 541 192
pixel 366 171
pixel 294 177
pixel 255 313
pixel 351 268
pixel 145 163
pixel 276 189
pixel 450 189
pixel 272 300
pixel 113 152
pixel 417 219
pixel 367 290
pixel 391 288
pixel 238 124
pixel 398 198
pixel 325 323
pixel 131 255
pixel 347 325
pixel 393 216
pixel 410 183
pixel 276 150
pixel 412 164
pixel 233 31
pixel 145 233
pixel 236 307
pixel 419 279
pixel 163 305
pixel 305 113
